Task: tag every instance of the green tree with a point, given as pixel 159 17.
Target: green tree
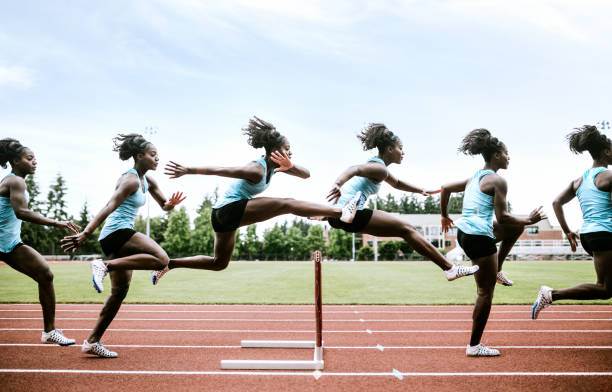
pixel 91 244
pixel 34 235
pixel 387 250
pixel 250 246
pixel 340 244
pixel 315 239
pixel 202 240
pixel 296 244
pixel 274 244
pixel 302 225
pixel 177 235
pixel 405 248
pixel 431 205
pixel 365 253
pixel 56 209
pixel 455 204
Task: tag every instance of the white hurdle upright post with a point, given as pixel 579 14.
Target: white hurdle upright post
pixel 315 364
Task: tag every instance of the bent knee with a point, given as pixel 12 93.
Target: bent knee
pixel 162 260
pixel 219 264
pixel 45 276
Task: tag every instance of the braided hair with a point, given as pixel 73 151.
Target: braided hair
pixel 480 141
pixel 263 134
pixel 588 138
pixel 377 135
pixel 130 145
pixel 10 149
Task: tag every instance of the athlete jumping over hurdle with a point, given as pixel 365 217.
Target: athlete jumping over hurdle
pixel 126 249
pixel 239 207
pixel 365 180
pixel 485 194
pixel 13 209
pixel 593 189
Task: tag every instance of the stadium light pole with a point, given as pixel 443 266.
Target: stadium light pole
pixel 149 131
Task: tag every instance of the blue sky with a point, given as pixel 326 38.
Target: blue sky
pixel 73 74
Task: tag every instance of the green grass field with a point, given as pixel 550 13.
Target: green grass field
pixel 292 283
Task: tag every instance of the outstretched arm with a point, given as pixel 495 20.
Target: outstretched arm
pixel 127 186
pixel 157 194
pixel 501 206
pixel 17 189
pixel 446 190
pixel 406 187
pixel 252 172
pixel 372 170
pixel 565 197
pixel 285 165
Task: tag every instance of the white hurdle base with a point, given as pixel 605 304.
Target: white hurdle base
pixel 315 364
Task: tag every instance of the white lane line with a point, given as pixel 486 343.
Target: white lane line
pixel 309 374
pixel 331 331
pixel 258 311
pixel 398 374
pixel 526 319
pixel 377 347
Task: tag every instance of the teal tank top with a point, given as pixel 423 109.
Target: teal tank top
pixel 365 185
pixel 477 214
pixel 242 189
pixel 125 215
pixel 595 204
pixel 10 226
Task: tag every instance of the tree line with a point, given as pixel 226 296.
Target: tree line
pixel 175 232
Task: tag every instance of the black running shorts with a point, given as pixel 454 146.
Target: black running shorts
pixel 115 240
pixel 476 246
pixel 361 219
pixel 227 218
pixel 3 256
pixel 598 241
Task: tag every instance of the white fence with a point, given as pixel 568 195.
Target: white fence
pixel 534 249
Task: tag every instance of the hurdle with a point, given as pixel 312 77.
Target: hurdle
pixel 317 345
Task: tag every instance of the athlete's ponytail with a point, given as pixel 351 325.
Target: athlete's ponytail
pixel 10 149
pixel 263 134
pixel 480 141
pixel 588 138
pixel 130 145
pixel 377 135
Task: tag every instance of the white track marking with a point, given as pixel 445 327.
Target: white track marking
pixel 309 320
pixel 308 374
pixel 330 331
pixel 377 347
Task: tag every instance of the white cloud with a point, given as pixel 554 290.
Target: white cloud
pixel 18 76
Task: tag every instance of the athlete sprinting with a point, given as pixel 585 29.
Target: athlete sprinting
pixel 593 190
pixel 477 234
pixel 13 209
pixel 126 249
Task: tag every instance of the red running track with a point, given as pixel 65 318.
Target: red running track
pixel 367 348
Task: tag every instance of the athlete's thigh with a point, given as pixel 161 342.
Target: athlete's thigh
pixel 261 209
pixel 224 244
pixel 121 278
pixel 383 224
pixel 487 272
pixel 603 266
pixel 140 243
pixel 27 260
pixel 505 231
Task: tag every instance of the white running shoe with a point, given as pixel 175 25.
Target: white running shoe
pixel 157 275
pixel 97 349
pixel 98 272
pixel 350 208
pixel 480 350
pixel 56 337
pixel 459 270
pixel 503 279
pixel 543 300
